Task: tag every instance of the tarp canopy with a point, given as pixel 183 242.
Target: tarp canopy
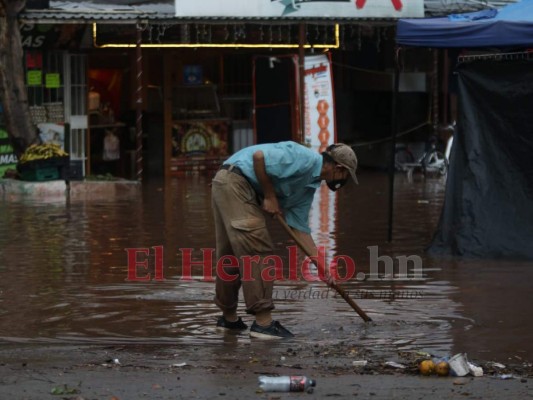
pixel 510 26
pixel 488 206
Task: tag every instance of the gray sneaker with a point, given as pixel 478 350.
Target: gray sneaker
pixel 274 331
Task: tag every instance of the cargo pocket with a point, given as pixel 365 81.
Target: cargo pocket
pixel 244 190
pixel 251 236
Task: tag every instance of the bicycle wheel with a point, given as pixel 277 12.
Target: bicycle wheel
pixel 402 156
pixel 435 161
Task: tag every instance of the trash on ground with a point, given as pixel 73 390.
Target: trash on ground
pixel 179 365
pixel 506 376
pixel 394 364
pixel 474 369
pixel 62 390
pixel 359 363
pixel 459 365
pixel 442 368
pixel 495 365
pixel 285 383
pixel 426 367
pixel 435 366
pixel 110 363
pixel 460 381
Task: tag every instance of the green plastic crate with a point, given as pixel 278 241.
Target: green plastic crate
pixel 40 174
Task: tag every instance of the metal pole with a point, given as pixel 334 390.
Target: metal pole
pixel 138 105
pixel 445 84
pixel 435 88
pixel 301 75
pixel 394 131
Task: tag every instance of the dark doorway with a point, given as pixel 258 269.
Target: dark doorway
pixel 275 97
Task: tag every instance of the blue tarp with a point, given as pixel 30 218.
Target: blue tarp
pixel 511 26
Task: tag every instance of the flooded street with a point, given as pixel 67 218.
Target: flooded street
pixel 64 267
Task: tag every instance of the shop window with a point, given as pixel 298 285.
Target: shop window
pixel 44 75
pixel 56 88
pixel 195 101
pixel 108 134
pixel 76 110
pixel 236 98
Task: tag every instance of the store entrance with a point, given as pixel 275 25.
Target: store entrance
pixel 275 97
pixel 108 136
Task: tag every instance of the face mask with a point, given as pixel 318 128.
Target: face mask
pixel 336 184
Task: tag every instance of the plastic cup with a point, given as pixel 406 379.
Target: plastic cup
pixel 459 365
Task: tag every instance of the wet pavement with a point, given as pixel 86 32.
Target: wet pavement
pixel 64 267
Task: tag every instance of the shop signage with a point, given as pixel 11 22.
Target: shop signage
pixel 38 36
pixel 35 36
pixel 52 81
pixel 200 138
pixel 34 77
pixel 8 159
pixel 318 102
pixel 301 8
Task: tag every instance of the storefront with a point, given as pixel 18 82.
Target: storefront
pixel 153 91
pixel 234 85
pixel 55 82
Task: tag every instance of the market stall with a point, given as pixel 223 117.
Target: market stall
pixel 487 210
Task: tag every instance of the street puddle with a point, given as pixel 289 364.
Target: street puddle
pixel 64 269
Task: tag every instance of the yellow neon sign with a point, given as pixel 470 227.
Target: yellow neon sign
pixel 335 45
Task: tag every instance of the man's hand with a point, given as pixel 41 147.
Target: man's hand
pixel 324 272
pixel 330 280
pixel 271 206
pixel 330 273
pixel 270 202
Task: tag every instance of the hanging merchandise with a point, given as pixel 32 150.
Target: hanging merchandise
pixel 94 100
pixel 111 146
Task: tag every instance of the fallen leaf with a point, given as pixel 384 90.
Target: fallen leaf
pixel 62 390
pixel 460 381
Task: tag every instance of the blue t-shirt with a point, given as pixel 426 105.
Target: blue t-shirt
pixel 295 173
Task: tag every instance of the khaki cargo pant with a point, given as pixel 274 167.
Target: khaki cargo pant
pixel 240 231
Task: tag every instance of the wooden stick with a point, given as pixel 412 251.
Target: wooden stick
pixel 332 285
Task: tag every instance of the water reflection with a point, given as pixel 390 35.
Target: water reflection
pixel 63 268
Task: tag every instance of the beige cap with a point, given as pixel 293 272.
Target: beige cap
pixel 344 155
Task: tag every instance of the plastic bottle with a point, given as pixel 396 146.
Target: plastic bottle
pixel 285 383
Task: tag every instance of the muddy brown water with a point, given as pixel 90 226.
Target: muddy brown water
pixel 63 268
